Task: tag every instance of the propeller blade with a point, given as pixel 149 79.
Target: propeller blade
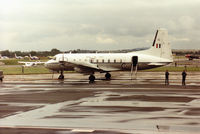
pixel 63 57
pixel 62 60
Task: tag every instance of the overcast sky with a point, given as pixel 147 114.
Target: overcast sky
pixel 97 24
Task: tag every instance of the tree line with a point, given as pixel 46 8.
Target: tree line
pixel 55 51
pixel 184 52
pixel 8 53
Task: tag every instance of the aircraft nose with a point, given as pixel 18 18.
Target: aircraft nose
pixel 50 64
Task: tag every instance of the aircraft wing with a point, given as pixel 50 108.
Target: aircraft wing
pixel 88 66
pixel 30 63
pixel 24 62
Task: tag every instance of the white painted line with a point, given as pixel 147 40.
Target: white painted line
pixel 82 130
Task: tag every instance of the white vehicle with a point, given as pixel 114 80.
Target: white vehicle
pixel 18 57
pixel 30 64
pixel 158 55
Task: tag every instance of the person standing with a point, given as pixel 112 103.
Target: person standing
pixel 166 77
pixel 184 74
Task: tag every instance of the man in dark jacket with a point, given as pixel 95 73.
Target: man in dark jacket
pixel 184 74
pixel 166 77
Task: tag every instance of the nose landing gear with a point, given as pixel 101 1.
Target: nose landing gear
pixel 61 76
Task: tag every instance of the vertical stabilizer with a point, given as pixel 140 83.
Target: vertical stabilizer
pixel 161 46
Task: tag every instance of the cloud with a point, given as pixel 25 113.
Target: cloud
pixel 105 40
pixel 96 24
pixel 174 39
pixel 183 23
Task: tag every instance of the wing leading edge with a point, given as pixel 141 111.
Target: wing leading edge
pixel 88 67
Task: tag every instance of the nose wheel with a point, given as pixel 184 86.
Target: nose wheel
pixel 61 76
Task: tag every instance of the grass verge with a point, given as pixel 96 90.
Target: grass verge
pixel 173 69
pixel 15 70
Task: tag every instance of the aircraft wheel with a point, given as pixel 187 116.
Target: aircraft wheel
pixel 92 78
pixel 108 76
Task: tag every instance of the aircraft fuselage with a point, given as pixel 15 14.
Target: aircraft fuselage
pixel 108 61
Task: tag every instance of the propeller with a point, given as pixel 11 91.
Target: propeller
pixel 62 65
pixel 62 59
pixel 63 56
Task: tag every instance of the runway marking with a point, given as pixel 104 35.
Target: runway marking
pixel 83 130
pixel 35 127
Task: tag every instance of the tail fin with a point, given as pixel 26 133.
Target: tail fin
pixel 161 46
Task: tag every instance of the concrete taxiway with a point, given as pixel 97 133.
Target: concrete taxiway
pixel 38 103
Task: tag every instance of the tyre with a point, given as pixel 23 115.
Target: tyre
pixel 108 76
pixel 92 78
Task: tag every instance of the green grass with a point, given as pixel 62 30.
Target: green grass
pixel 11 70
pixel 10 62
pixel 179 57
pixel 174 69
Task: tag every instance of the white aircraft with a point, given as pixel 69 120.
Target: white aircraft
pixel 4 57
pixel 30 64
pixel 33 57
pixel 18 57
pixel 158 55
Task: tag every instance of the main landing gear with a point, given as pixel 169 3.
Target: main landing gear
pixel 92 78
pixel 108 76
pixel 61 76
